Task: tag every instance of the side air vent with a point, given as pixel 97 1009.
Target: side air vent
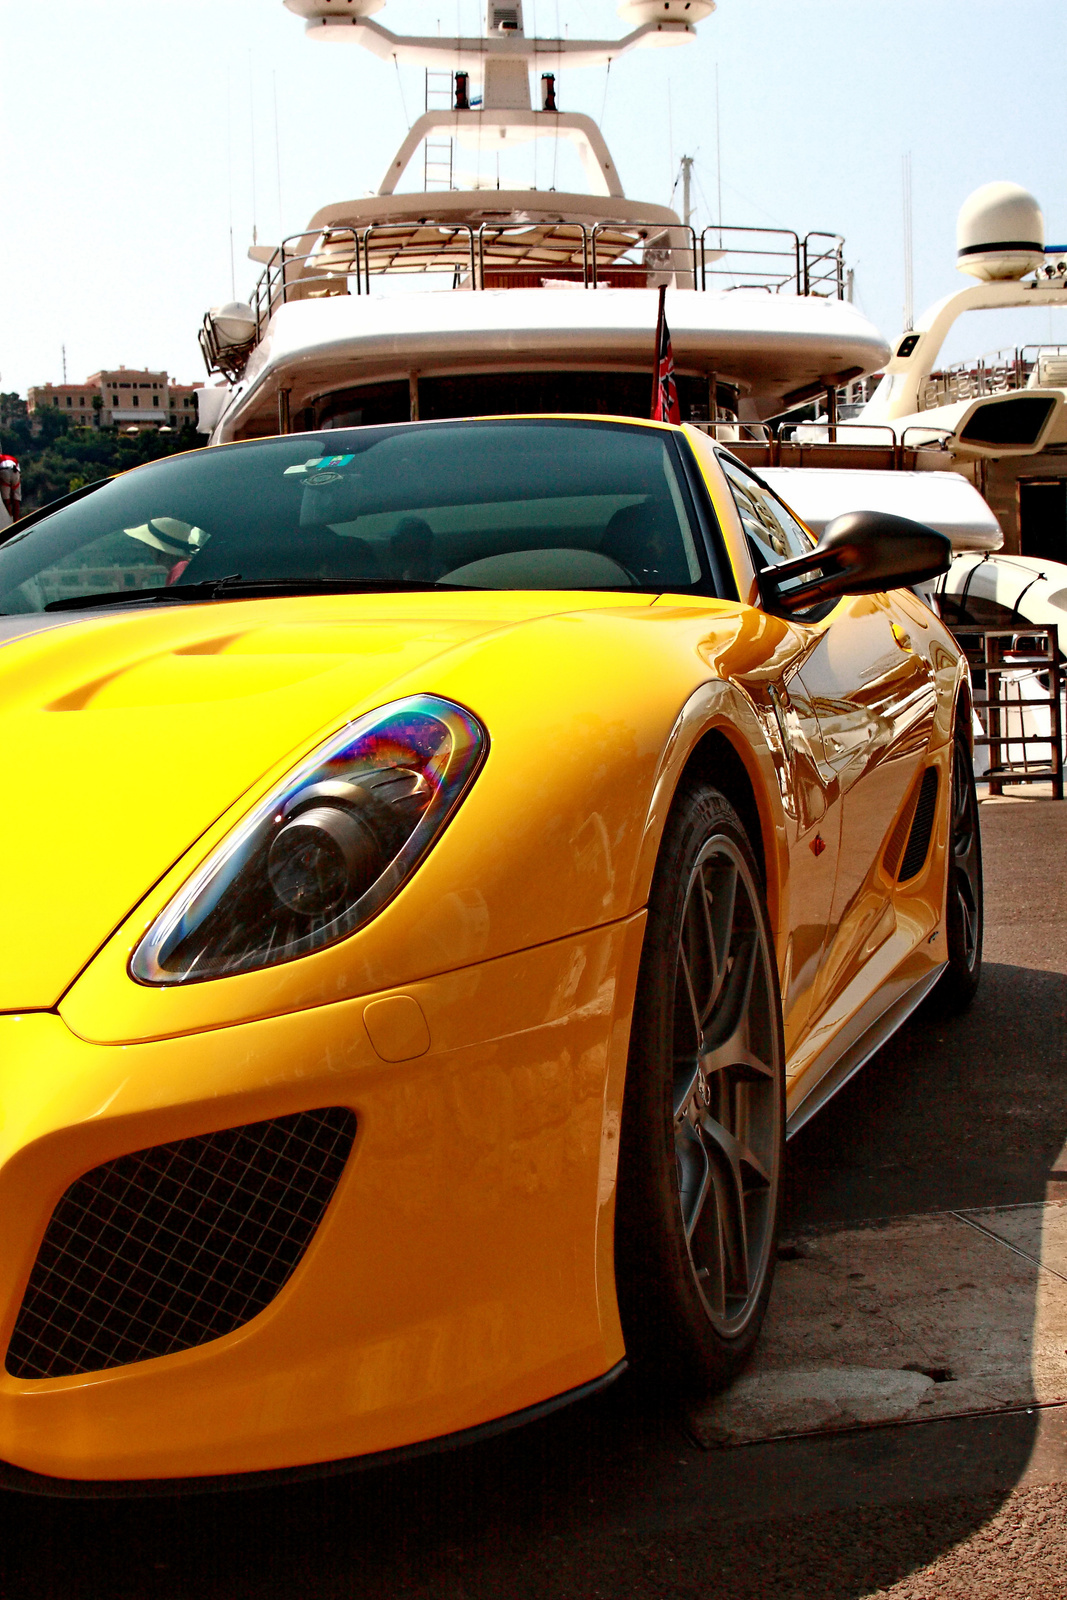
pixel 898 838
pixel 178 1244
pixel 922 826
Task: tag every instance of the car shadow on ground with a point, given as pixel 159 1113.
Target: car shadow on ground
pixel 611 1498
pixel 953 1113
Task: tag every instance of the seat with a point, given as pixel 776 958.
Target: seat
pixel 638 538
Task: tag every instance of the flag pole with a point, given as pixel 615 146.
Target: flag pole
pixel 660 317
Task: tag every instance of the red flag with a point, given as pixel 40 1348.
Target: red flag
pixel 664 391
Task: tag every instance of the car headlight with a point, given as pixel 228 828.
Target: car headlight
pixel 325 850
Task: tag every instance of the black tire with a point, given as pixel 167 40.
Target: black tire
pixel 964 909
pixel 703 1127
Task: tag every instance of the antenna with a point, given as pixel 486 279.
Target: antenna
pixel 687 175
pixel 229 182
pixel 909 282
pixel 278 158
pixel 64 350
pixel 252 141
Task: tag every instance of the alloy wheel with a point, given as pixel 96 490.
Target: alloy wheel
pixel 727 1087
pixel 966 856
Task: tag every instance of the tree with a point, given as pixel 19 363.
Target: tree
pixel 57 457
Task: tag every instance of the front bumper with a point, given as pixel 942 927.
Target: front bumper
pixel 463 1271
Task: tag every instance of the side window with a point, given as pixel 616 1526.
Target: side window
pixel 774 534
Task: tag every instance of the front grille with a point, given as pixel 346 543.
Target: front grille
pixel 922 826
pixel 178 1244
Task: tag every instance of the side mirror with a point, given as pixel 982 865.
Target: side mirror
pixel 862 552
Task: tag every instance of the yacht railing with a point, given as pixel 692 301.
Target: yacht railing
pixel 873 446
pixel 343 260
pixel 996 372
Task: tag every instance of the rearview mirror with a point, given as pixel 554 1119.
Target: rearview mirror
pixel 862 552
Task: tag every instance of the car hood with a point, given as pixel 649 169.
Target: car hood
pixel 125 737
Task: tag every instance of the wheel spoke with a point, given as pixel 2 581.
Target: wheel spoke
pixel 719 907
pixel 734 1153
pixel 734 1054
pixel 735 994
pixel 690 993
pixel 694 1173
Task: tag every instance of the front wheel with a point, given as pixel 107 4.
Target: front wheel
pixel 964 914
pixel 703 1116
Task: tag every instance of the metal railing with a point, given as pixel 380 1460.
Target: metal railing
pixel 996 372
pixel 343 260
pixel 841 444
pixel 1018 695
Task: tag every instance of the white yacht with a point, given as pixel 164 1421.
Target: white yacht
pixel 535 299
pixel 1001 419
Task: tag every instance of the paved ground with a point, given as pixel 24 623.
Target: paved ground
pixel 608 1500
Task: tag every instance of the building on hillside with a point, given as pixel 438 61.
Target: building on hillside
pixel 124 398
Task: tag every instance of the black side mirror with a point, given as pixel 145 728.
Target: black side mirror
pixel 862 552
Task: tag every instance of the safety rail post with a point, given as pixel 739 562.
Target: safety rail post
pixel 778 279
pixel 832 258
pixel 1056 684
pixel 500 230
pixel 995 654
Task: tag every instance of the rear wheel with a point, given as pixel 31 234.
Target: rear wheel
pixel 703 1117
pixel 963 898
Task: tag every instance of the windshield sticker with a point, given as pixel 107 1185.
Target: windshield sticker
pixel 318 466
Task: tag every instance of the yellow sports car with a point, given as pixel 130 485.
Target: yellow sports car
pixel 441 863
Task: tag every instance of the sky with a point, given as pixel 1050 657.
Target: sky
pixel 141 136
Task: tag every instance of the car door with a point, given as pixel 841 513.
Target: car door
pixel 808 784
pixel 869 695
pixel 875 697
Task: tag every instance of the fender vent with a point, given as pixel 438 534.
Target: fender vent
pixel 897 839
pixel 178 1244
pixel 922 826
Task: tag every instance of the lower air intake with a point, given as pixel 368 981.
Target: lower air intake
pixel 172 1246
pixel 922 826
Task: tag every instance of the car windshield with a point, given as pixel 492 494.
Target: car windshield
pixel 508 504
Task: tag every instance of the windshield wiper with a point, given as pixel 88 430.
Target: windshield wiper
pixel 238 588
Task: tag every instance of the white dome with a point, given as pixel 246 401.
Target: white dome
pixel 1000 233
pixel 334 10
pixel 637 12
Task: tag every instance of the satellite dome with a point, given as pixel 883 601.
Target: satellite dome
pixel 316 11
pixel 638 12
pixel 1000 233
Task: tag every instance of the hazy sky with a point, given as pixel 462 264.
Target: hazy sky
pixel 136 131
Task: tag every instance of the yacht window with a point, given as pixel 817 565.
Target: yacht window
pixel 512 504
pixel 774 534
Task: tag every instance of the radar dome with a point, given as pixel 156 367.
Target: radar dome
pixel 328 11
pixel 638 12
pixel 1000 233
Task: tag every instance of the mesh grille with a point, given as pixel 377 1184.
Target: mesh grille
pixel 922 826
pixel 172 1246
pixel 897 839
